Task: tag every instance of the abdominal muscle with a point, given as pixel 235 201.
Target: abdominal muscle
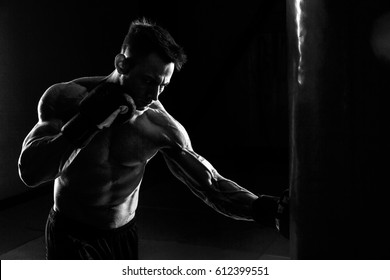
pixel 104 205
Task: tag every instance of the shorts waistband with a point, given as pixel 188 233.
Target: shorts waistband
pixel 75 226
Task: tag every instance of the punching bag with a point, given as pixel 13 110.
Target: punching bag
pixel 338 76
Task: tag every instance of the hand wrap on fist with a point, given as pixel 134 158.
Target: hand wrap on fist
pixel 283 214
pixel 273 211
pixel 95 111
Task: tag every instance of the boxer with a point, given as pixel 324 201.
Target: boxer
pixel 94 137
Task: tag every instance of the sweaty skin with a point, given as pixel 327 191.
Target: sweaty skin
pixel 99 184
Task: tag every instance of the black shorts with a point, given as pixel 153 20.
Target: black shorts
pixel 71 240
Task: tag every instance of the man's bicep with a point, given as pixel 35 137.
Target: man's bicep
pixel 192 169
pixel 185 164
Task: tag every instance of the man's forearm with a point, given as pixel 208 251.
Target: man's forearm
pixel 231 200
pixel 44 159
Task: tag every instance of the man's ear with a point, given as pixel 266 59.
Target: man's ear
pixel 122 63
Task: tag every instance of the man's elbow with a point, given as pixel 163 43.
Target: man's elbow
pixel 28 177
pixel 28 174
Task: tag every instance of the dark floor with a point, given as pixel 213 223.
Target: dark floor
pixel 168 230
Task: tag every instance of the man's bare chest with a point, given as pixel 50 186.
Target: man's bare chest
pixel 124 145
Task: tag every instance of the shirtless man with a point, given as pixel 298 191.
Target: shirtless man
pixel 95 136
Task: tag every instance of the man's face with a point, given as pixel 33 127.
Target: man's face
pixel 147 79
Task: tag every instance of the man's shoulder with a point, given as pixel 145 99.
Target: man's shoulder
pixel 72 88
pixel 61 100
pixel 172 128
pixel 88 82
pixel 158 115
pixel 61 90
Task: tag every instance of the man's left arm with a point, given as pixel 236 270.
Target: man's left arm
pixel 223 195
pixel 220 193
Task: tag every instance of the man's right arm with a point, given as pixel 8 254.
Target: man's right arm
pixel 46 151
pixel 53 143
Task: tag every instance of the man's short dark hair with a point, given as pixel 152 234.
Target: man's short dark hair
pixel 145 37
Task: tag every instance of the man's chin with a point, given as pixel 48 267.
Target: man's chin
pixel 142 108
